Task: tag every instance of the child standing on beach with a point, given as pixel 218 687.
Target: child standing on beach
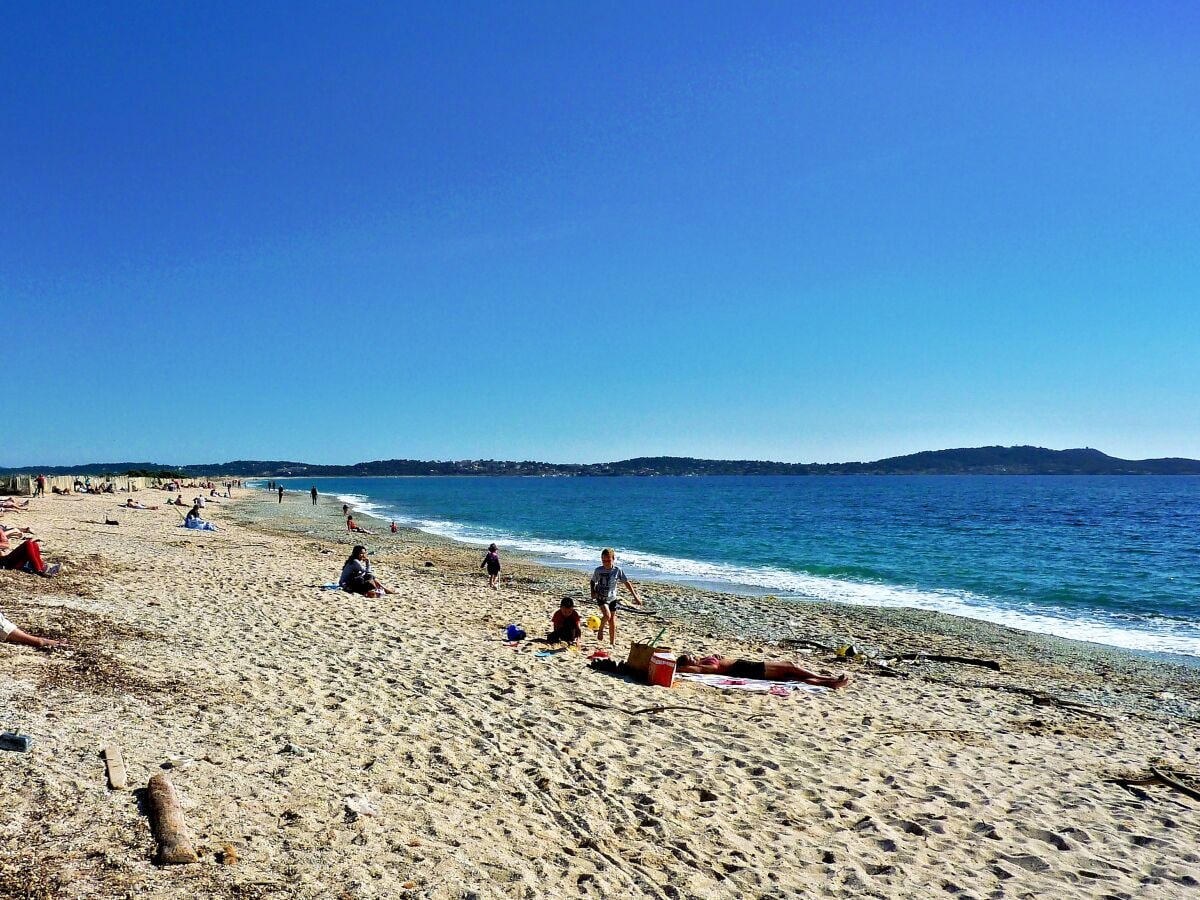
pixel 605 578
pixel 491 562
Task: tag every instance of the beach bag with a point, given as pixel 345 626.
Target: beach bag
pixel 515 633
pixel 639 656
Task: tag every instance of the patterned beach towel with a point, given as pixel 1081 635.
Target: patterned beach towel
pixel 754 685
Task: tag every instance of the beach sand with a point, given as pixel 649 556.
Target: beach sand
pixel 344 747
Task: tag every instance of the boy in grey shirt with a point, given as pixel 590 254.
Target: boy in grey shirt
pixel 605 579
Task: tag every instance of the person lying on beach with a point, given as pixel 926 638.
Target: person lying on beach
pixel 351 525
pixel 357 578
pixel 195 521
pixel 771 670
pixel 132 504
pixel 565 624
pixel 491 562
pixel 14 635
pixel 605 578
pixel 26 555
pixel 10 503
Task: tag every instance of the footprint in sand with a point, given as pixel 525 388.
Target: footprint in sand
pixel 1048 837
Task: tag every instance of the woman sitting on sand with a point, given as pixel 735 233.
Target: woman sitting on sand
pixel 26 555
pixel 356 577
pixel 771 670
pixel 195 521
pixel 14 635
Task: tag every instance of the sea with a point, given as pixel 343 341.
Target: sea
pixel 1111 560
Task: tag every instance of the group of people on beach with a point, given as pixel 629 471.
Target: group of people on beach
pixel 566 625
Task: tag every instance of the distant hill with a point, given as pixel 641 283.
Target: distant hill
pixel 965 461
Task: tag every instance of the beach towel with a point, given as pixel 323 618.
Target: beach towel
pixel 754 685
pixel 198 525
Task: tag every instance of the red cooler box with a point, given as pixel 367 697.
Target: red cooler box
pixel 662 669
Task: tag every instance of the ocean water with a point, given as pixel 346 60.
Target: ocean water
pixel 1113 560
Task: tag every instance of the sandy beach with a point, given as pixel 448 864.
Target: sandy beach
pixel 326 745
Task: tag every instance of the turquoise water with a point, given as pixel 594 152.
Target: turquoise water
pixel 1115 560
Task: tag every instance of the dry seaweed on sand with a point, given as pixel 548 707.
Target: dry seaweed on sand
pixel 86 670
pixel 27 878
pixel 76 626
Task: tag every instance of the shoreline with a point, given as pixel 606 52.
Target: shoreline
pixel 795 601
pixel 765 621
pixel 350 748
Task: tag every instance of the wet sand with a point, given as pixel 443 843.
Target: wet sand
pixel 345 747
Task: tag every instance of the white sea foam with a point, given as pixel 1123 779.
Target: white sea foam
pixel 1148 634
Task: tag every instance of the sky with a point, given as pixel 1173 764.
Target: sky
pixel 810 232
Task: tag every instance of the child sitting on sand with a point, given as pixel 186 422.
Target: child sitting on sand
pixel 565 624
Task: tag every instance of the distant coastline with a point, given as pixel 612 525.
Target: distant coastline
pixel 1021 460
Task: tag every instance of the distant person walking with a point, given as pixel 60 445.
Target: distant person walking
pixel 605 578
pixel 491 562
pixel 40 491
pixel 314 494
pixel 281 493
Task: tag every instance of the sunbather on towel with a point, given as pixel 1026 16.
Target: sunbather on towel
pixel 10 503
pixel 131 504
pixel 771 670
pixel 14 635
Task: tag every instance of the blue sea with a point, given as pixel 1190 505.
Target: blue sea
pixel 1113 560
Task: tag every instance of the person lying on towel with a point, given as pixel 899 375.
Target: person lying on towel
pixel 771 670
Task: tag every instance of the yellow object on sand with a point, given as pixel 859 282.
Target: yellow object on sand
pixel 593 622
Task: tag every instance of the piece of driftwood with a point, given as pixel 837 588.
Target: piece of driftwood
pixel 1041 698
pixel 166 821
pixel 960 660
pixel 929 731
pixel 638 712
pixel 1170 781
pixel 807 642
pixel 114 765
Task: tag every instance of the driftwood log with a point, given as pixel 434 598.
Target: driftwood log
pixel 1171 781
pixel 638 712
pixel 114 765
pixel 166 821
pixel 960 660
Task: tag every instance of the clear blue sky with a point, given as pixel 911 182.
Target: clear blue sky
pixel 582 232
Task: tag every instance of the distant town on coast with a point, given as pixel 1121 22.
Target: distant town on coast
pixel 1022 460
